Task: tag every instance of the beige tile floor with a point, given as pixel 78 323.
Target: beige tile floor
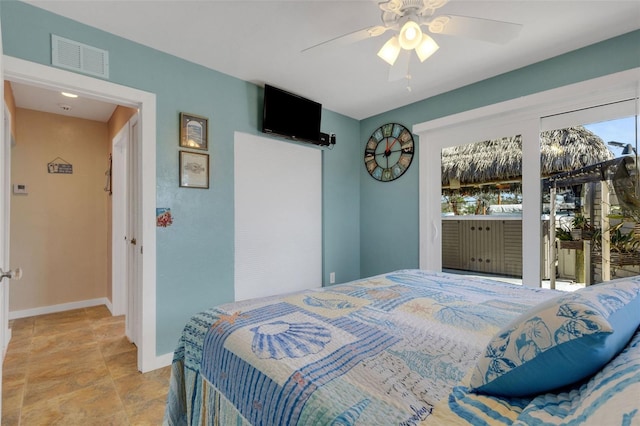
pixel 78 368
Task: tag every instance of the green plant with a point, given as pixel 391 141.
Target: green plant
pixel 581 222
pixel 620 242
pixel 563 234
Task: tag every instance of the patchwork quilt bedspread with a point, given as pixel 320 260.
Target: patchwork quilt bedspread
pixel 392 349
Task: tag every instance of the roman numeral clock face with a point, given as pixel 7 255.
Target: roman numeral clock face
pixel 389 152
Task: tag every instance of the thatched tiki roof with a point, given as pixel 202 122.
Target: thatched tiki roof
pixel 500 160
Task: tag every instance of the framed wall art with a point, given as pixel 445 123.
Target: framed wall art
pixel 193 131
pixel 194 170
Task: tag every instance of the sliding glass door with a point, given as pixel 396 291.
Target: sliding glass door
pixel 591 211
pixel 482 208
pixel 534 117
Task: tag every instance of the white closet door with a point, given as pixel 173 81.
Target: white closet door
pixel 278 216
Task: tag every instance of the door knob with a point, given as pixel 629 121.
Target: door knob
pixel 133 241
pixel 15 274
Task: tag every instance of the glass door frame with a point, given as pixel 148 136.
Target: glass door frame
pixel 522 116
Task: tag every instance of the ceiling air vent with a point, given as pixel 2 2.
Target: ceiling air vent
pixel 79 57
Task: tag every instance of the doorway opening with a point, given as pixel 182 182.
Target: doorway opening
pixel 29 73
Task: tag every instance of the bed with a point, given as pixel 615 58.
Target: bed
pixel 413 347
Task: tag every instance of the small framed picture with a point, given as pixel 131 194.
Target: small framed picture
pixel 194 170
pixel 193 131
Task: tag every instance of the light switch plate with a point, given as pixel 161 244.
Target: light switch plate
pixel 19 188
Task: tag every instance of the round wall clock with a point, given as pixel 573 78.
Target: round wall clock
pixel 389 152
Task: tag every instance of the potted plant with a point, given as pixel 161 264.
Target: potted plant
pixel 581 229
pixel 563 235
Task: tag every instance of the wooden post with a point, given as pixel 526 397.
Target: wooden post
pixel 552 237
pixel 579 255
pixel 587 262
pixel 606 235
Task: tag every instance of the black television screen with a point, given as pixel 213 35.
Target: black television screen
pixel 291 116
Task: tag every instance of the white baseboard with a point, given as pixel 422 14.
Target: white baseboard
pixel 60 308
pixel 163 360
pixel 109 305
pixel 7 334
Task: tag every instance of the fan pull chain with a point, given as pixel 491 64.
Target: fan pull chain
pixel 408 82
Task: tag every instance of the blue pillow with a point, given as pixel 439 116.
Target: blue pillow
pixel 610 397
pixel 560 341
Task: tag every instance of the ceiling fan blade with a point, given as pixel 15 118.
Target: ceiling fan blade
pixel 400 68
pixel 499 32
pixel 352 37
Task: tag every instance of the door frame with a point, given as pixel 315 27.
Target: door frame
pixel 134 255
pixel 4 301
pixel 35 74
pixel 5 181
pixel 124 290
pixel 119 208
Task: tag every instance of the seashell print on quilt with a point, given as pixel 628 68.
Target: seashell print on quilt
pixel 280 339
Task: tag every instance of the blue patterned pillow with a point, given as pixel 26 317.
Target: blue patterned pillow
pixel 560 341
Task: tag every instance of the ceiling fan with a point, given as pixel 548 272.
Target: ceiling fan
pixel 406 18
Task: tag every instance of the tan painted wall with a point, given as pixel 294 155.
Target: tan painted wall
pixel 59 230
pixel 121 115
pixel 11 104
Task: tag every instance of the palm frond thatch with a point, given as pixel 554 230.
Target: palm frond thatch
pixel 500 160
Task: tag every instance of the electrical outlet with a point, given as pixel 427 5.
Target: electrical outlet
pixel 332 278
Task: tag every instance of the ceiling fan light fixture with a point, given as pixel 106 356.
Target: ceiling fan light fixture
pixel 390 51
pixel 426 48
pixel 410 35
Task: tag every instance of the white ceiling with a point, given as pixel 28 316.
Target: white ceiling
pixel 261 42
pixel 39 99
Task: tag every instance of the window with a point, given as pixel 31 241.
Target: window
pixel 482 208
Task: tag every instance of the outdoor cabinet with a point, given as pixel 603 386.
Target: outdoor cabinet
pixel 491 246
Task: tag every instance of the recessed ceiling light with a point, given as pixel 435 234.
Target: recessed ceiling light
pixel 69 95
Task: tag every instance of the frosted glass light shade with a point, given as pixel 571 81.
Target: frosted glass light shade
pixel 410 35
pixel 426 48
pixel 390 51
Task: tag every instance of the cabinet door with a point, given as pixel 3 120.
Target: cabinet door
pixel 451 244
pixel 512 247
pixel 482 246
pixel 490 253
pixel 469 245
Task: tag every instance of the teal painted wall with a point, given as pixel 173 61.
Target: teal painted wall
pixel 389 211
pixel 341 198
pixel 195 256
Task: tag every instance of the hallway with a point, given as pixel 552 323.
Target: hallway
pixel 78 368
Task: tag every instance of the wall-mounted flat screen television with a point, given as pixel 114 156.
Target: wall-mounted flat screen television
pixel 291 116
